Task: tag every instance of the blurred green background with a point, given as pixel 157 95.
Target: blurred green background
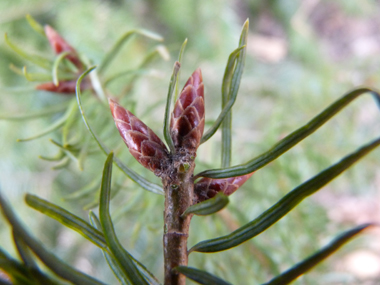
pixel 302 55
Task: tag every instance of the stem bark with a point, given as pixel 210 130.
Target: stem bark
pixel 179 194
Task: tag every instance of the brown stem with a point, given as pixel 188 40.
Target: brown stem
pixel 179 195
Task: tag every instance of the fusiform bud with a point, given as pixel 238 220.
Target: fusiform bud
pixel 142 142
pixel 65 87
pixel 59 45
pixel 188 117
pixel 207 188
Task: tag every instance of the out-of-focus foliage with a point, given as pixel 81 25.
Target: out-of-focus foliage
pixel 302 55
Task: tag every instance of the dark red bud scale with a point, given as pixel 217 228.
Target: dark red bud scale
pixel 59 45
pixel 207 188
pixel 142 142
pixel 188 117
pixel 66 87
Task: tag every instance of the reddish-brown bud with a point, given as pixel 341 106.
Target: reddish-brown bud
pixel 207 188
pixel 66 87
pixel 59 45
pixel 188 117
pixel 141 141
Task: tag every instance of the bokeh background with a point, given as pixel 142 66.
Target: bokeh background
pixel 301 56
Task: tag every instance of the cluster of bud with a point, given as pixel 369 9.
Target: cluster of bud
pixel 186 130
pixel 59 45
